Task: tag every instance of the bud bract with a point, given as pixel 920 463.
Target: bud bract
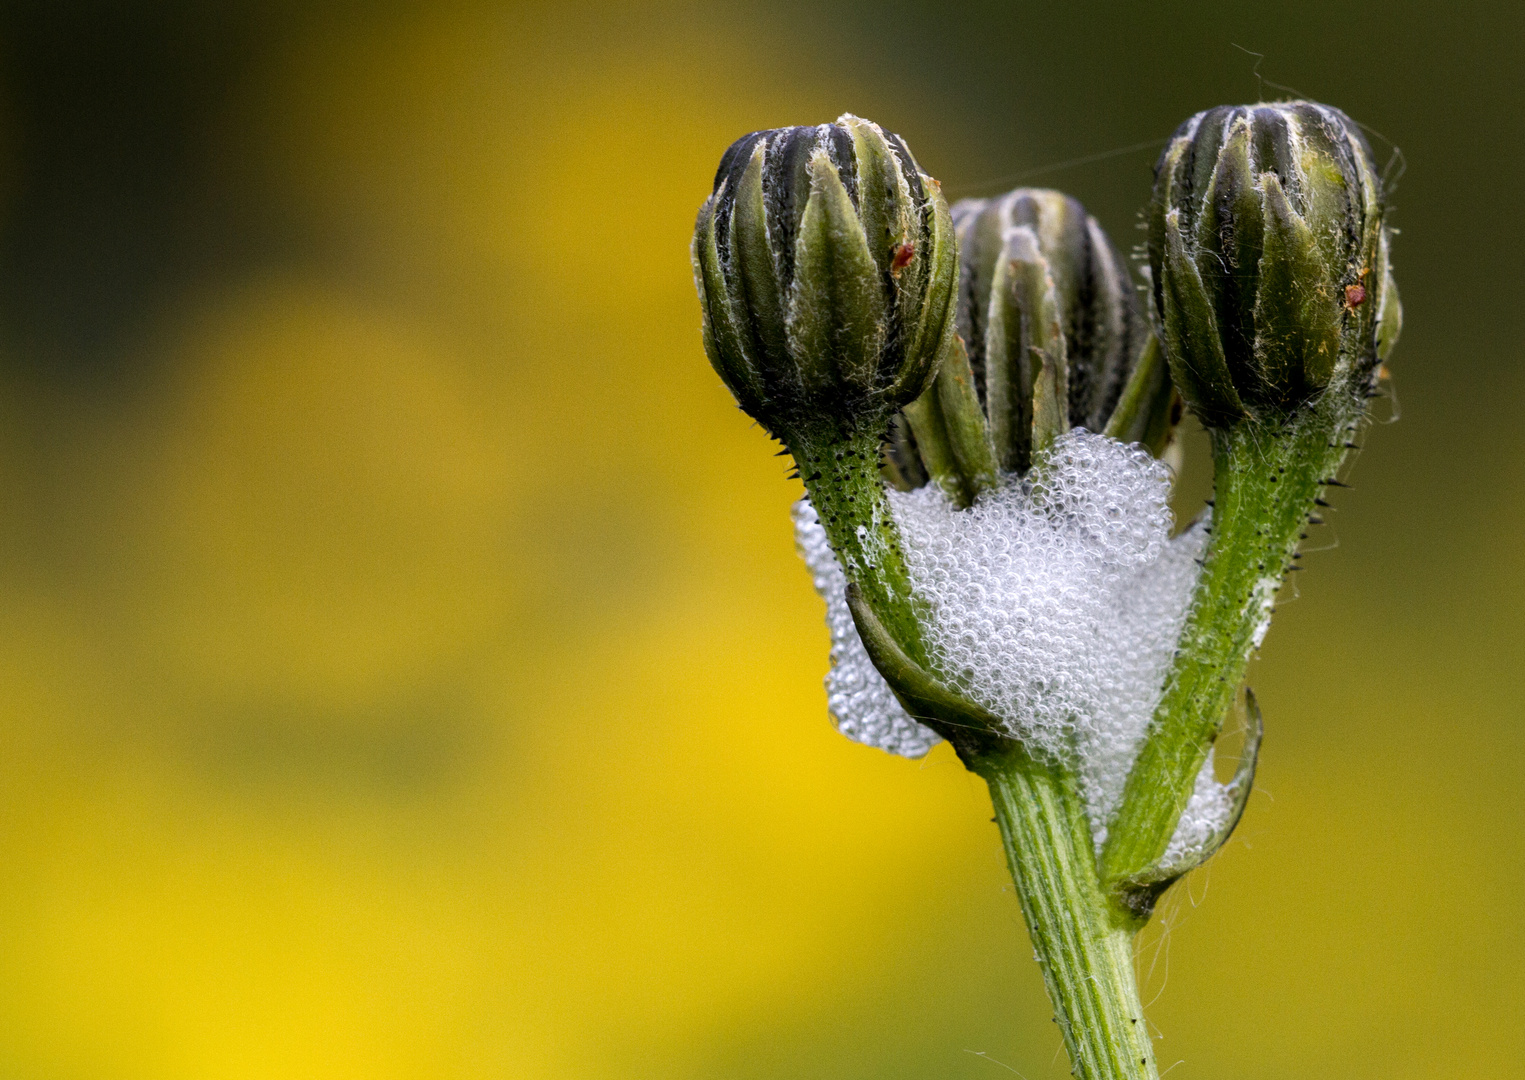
pixel 1269 258
pixel 1034 258
pixel 825 262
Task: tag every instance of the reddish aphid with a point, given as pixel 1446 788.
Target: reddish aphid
pixel 1355 295
pixel 902 255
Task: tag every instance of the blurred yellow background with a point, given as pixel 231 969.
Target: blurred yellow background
pixel 406 668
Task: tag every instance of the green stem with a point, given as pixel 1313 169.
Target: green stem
pixel 1267 479
pixel 1084 943
pixel 841 473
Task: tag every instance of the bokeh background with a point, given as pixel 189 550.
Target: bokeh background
pixel 405 671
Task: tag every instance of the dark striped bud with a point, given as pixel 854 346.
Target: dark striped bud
pixel 1041 278
pixel 1269 259
pixel 825 262
pixel 1051 332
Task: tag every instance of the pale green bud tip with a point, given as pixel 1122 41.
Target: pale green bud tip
pixel 1269 259
pixel 825 263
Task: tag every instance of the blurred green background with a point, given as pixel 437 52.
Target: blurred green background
pixel 406 668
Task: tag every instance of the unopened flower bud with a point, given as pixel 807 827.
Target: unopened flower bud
pixel 1269 258
pixel 1050 319
pixel 825 262
pixel 1034 258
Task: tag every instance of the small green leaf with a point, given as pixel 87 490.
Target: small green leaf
pixel 884 197
pixel 1231 223
pixel 1051 391
pixel 1008 370
pixel 1027 385
pixel 1165 199
pixel 933 446
pixel 1145 402
pixel 923 697
pixel 931 331
pixel 979 251
pixel 968 433
pixel 1238 792
pixel 1108 333
pixel 1389 316
pixel 950 429
pixel 1326 199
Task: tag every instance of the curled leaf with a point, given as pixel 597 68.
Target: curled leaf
pixel 1141 891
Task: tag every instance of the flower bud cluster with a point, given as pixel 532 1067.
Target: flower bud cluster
pixel 1021 594
pixel 867 325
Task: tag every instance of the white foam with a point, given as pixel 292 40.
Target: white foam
pixel 1056 603
pixel 1206 812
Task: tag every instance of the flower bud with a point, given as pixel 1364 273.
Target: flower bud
pixel 1269 258
pixel 1038 270
pixel 825 262
pixel 1050 318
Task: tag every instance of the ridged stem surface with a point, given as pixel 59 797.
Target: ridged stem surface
pixel 1084 943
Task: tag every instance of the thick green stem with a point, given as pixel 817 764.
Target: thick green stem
pixel 1266 485
pixel 1084 943
pixel 841 473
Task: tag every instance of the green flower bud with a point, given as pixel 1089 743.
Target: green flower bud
pixel 825 262
pixel 1050 319
pixel 1035 259
pixel 1269 259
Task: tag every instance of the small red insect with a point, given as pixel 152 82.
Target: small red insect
pixel 1355 295
pixel 902 256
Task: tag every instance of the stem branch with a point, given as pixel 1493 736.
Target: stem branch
pixel 1267 478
